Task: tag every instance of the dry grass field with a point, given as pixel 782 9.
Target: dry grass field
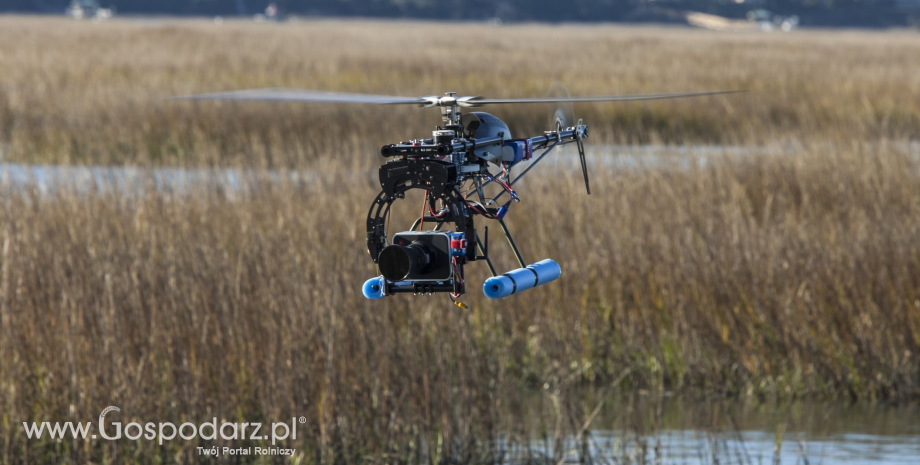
pixel 767 276
pixel 95 93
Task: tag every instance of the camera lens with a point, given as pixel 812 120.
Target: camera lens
pixel 396 262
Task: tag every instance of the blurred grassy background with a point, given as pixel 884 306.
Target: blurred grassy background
pixel 783 275
pixel 95 93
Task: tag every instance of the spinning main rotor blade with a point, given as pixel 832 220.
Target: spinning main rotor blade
pixel 293 95
pixel 599 98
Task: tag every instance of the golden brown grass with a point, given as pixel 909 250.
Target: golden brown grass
pixel 765 275
pixel 770 278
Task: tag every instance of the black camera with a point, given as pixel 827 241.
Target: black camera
pixel 417 256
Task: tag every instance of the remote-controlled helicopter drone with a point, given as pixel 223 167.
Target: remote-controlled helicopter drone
pixel 453 167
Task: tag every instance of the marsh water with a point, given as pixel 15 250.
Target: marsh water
pixel 659 430
pixel 706 431
pixel 133 180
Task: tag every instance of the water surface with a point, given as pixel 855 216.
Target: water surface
pixel 686 431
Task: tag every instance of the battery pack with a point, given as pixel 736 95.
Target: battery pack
pixel 516 150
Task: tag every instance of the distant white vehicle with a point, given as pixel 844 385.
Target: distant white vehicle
pixel 88 9
pixel 757 20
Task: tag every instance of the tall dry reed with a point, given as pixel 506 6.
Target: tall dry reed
pixel 767 276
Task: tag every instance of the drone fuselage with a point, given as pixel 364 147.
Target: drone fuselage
pixel 451 167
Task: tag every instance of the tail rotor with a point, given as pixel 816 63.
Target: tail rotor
pixel 564 114
pixel 563 118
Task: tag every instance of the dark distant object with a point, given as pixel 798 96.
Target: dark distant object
pixel 452 167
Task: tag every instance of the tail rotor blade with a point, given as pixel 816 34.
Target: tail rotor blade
pixel 564 114
pixel 584 164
